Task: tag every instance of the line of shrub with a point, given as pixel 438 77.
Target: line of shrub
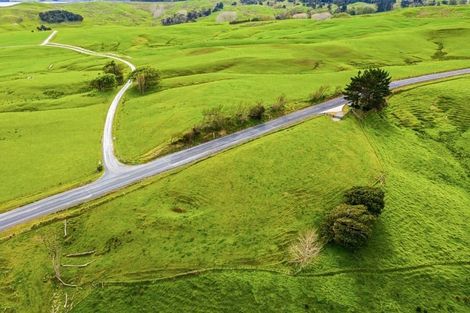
pixel 350 224
pixel 216 123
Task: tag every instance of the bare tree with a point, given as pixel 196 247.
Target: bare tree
pixel 305 248
pixel 140 79
pixel 145 78
pixel 54 249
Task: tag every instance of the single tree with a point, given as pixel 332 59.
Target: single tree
pixel 104 82
pixel 145 77
pixel 368 90
pixel 115 69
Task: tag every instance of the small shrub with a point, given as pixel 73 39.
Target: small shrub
pixel 319 95
pixel 370 197
pixel 52 93
pixel 43 28
pixel 178 210
pixel 348 225
pixel 214 120
pixel 279 107
pixel 99 168
pixel 239 118
pixel 256 112
pixel 191 136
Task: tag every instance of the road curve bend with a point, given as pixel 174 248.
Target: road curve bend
pixel 110 163
pixel 118 175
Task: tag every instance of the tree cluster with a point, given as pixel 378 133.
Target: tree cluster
pixel 418 3
pixel 350 224
pixel 145 78
pixel 342 5
pixel 116 70
pixel 59 16
pixel 180 18
pixel 112 76
pixel 191 16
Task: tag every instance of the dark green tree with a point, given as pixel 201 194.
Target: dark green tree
pixel 368 90
pixel 115 69
pixel 405 3
pixel 104 82
pixel 348 225
pixel 145 77
pixel 385 5
pixel 370 197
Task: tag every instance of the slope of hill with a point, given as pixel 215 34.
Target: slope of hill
pixel 235 229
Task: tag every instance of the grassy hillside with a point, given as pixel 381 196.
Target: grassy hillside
pixel 215 236
pixel 209 64
pixel 205 64
pixel 235 228
pixel 50 123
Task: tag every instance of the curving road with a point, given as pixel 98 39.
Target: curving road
pixel 118 175
pixel 110 162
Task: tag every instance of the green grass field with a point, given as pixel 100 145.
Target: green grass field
pixel 50 123
pixel 215 236
pixel 206 64
pixel 209 64
pixel 236 228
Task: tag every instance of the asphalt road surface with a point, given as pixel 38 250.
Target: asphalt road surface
pixel 118 175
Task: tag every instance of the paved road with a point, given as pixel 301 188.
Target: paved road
pixel 118 175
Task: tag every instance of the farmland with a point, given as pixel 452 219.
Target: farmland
pixel 241 223
pixel 215 235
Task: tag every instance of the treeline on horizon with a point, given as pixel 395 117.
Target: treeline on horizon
pixel 191 16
